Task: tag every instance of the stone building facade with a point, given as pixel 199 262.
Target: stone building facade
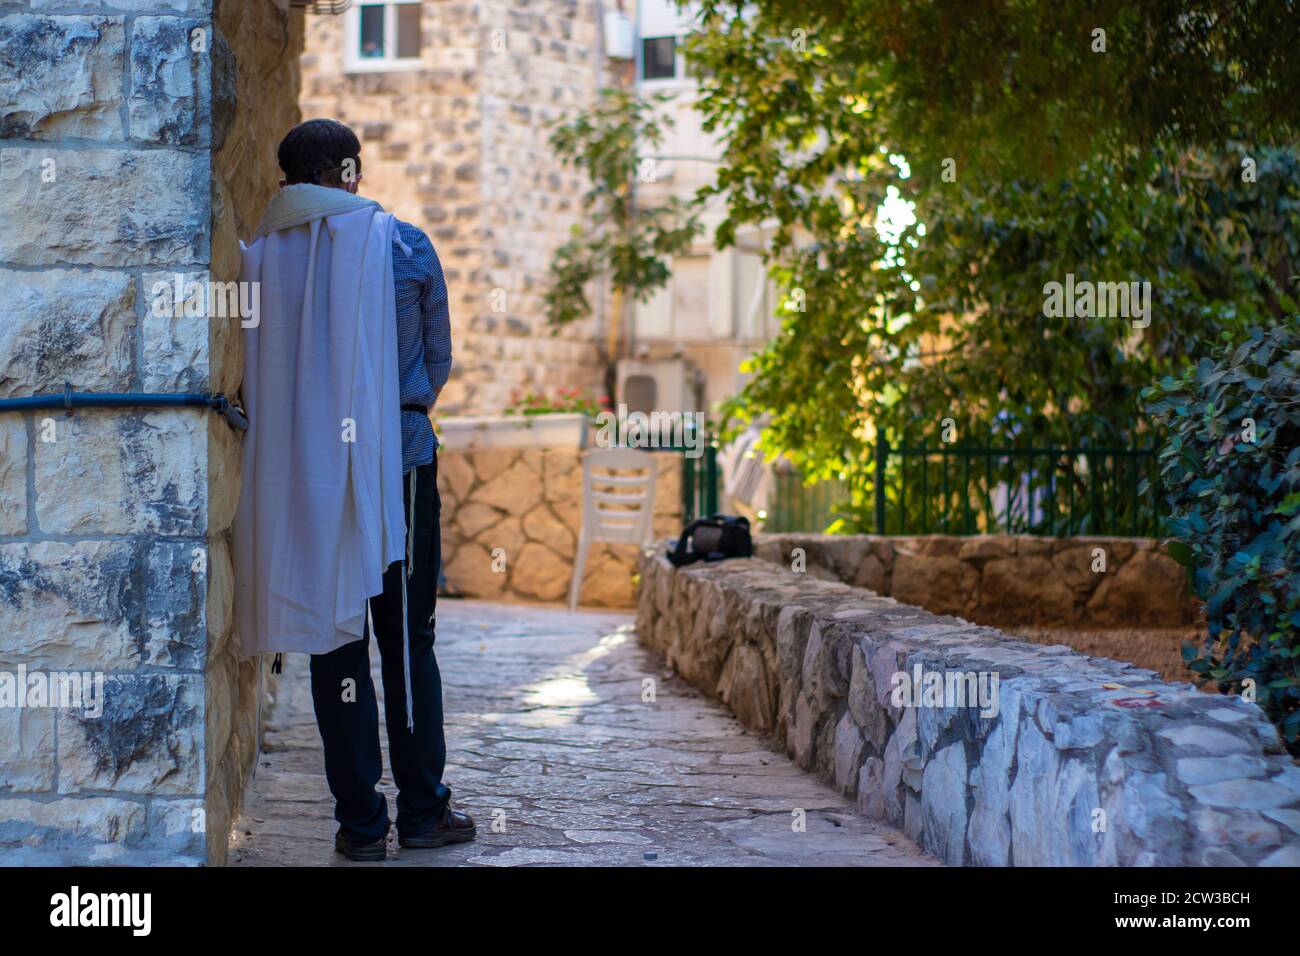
pixel 136 144
pixel 454 140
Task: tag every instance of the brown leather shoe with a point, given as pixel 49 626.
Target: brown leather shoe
pixel 456 826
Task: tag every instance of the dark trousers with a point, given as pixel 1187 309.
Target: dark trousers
pixel 344 695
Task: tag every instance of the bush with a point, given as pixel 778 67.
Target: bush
pixel 1231 474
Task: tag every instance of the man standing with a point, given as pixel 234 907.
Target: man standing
pixel 353 347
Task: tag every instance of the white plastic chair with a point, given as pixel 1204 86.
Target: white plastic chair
pixel 615 508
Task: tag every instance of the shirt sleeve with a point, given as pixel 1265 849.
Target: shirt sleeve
pixel 437 323
pixel 422 302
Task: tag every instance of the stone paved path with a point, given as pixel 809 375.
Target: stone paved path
pixel 549 739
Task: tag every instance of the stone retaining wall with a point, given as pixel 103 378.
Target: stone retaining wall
pixel 510 523
pixel 1004 579
pixel 1086 761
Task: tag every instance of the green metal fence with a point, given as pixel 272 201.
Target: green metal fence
pixel 700 481
pixel 1062 489
pixel 1083 485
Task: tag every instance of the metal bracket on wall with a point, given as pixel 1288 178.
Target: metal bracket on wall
pixel 69 400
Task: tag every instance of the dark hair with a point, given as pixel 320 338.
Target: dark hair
pixel 315 152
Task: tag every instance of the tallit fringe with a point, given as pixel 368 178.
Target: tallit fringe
pixel 409 565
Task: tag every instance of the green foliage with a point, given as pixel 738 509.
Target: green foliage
pixel 621 237
pixel 889 325
pixel 1016 89
pixel 1235 500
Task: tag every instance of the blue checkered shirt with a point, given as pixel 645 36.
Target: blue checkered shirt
pixel 423 338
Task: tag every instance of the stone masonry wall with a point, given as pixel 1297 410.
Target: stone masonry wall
pixel 528 503
pixel 1122 598
pixel 112 522
pixel 459 148
pixel 1004 579
pixel 1081 761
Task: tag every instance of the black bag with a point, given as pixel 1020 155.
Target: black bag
pixel 712 539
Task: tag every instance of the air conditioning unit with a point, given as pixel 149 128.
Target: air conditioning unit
pixel 664 385
pixel 618 36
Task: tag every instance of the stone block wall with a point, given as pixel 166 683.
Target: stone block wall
pixel 458 146
pixel 1078 761
pixel 528 504
pixel 113 546
pixel 1123 598
pixel 1004 579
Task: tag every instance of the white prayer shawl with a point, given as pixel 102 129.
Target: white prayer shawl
pixel 320 513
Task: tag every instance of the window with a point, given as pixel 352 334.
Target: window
pixel 661 29
pixel 659 58
pixel 372 31
pixel 408 30
pixel 383 36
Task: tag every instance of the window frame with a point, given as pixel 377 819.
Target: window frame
pixel 679 79
pixel 354 62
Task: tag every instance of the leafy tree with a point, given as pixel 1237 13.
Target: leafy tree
pixel 828 110
pixel 621 238
pixel 1010 89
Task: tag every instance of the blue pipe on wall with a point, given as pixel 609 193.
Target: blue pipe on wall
pixel 68 399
